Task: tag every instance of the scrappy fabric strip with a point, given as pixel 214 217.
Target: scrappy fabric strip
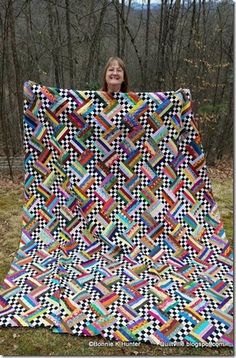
pixel 121 234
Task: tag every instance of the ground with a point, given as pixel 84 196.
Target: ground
pixel 41 342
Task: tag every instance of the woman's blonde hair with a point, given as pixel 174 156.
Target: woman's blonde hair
pixel 124 85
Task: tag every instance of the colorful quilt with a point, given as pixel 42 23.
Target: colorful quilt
pixel 121 234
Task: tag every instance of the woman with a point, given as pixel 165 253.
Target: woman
pixel 115 77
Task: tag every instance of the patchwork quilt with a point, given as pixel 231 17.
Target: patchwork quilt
pixel 121 234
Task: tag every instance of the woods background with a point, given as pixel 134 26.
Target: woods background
pixel 165 45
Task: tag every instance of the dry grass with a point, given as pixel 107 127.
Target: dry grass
pixel 41 342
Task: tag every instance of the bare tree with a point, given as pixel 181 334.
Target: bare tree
pixel 95 41
pixel 4 127
pixel 69 43
pixel 17 67
pixel 52 36
pixel 145 64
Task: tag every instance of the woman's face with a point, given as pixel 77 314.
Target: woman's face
pixel 114 75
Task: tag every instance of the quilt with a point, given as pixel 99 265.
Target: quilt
pixel 121 234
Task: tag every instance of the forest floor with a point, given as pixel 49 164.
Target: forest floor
pixel 43 342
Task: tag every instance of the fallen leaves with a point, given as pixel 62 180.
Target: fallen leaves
pixel 15 347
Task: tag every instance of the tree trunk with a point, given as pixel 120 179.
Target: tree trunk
pixel 59 49
pixel 146 51
pixel 118 51
pixel 52 37
pixel 95 43
pixel 17 67
pixel 3 121
pixel 69 45
pixel 33 58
